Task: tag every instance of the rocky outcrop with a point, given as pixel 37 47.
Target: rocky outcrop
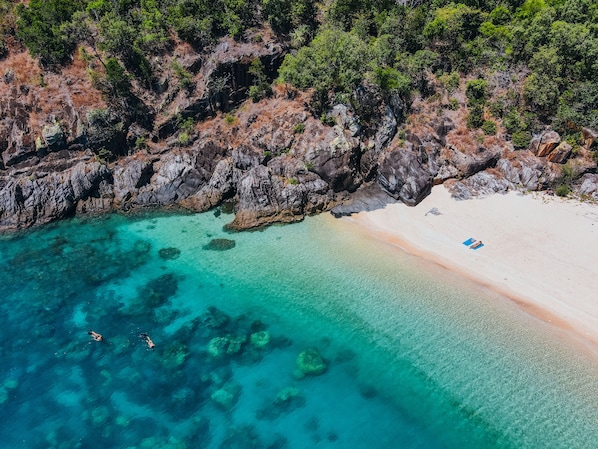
pixel 543 144
pixel 561 153
pixel 47 196
pixel 268 194
pixel 403 176
pixel 367 198
pixel 480 184
pixel 589 185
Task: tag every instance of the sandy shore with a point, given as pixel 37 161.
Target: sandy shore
pixel 540 251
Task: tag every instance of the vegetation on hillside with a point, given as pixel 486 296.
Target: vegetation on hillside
pixel 529 62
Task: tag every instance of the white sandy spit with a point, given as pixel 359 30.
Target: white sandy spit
pixel 540 251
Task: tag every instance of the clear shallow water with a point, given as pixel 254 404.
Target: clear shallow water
pixel 414 358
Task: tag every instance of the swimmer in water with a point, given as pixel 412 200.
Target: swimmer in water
pixel 95 335
pixel 148 340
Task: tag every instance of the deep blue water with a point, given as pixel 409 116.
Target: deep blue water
pixel 413 358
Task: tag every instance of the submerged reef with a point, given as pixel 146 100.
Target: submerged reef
pixel 220 245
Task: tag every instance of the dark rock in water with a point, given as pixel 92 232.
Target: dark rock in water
pixel 366 198
pixel 220 244
pixel 169 253
pixel 158 291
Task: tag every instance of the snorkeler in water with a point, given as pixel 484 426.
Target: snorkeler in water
pixel 148 340
pixel 95 336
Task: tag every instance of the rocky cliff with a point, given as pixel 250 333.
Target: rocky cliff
pixel 67 150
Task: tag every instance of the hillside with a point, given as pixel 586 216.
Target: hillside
pixel 291 107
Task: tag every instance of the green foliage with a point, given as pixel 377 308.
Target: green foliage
pixel 453 104
pixel 476 91
pixel 39 27
pixel 489 127
pixel 451 81
pixel 475 118
pixel 521 139
pixel 450 28
pixel 391 80
pixel 563 190
pixel 299 128
pixel 334 60
pixel 261 87
pixel 184 77
pixel 229 119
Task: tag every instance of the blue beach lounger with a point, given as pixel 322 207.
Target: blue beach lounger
pixel 469 241
pixel 476 246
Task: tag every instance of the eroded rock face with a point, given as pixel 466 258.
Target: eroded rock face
pixel 404 177
pixel 265 197
pixel 25 201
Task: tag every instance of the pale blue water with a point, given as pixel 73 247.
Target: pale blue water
pixel 415 358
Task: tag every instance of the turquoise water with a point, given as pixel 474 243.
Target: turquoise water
pixel 414 358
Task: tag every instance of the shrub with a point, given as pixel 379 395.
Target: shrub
pixel 293 181
pixel 453 104
pixel 451 81
pixel 229 119
pixel 476 91
pixel 521 139
pixel 299 128
pixel 475 119
pixel 563 190
pixel 489 128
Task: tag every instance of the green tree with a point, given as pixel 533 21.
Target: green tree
pixel 335 60
pixel 39 27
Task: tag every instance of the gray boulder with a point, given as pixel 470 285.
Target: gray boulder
pixel 402 175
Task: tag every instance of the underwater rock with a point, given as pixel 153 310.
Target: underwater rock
pixel 260 339
pixel 155 293
pixel 288 398
pixel 217 346
pixel 174 356
pixel 169 253
pixel 220 346
pixel 236 344
pixel 227 396
pixel 310 362
pixel 220 245
pixel 215 318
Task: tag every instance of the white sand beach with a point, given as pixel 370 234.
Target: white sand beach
pixel 541 251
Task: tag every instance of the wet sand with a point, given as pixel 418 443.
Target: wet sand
pixel 540 251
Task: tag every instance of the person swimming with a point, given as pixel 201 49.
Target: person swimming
pixel 95 336
pixel 148 340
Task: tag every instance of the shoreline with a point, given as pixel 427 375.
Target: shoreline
pixel 539 251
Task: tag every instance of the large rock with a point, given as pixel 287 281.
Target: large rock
pixel 129 177
pixel 403 176
pixel 543 144
pixel 560 154
pixel 588 136
pixel 480 184
pixel 25 201
pixel 589 185
pixel 367 198
pixel 219 187
pixel 310 362
pixel 525 170
pixel 265 197
pixel 333 155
